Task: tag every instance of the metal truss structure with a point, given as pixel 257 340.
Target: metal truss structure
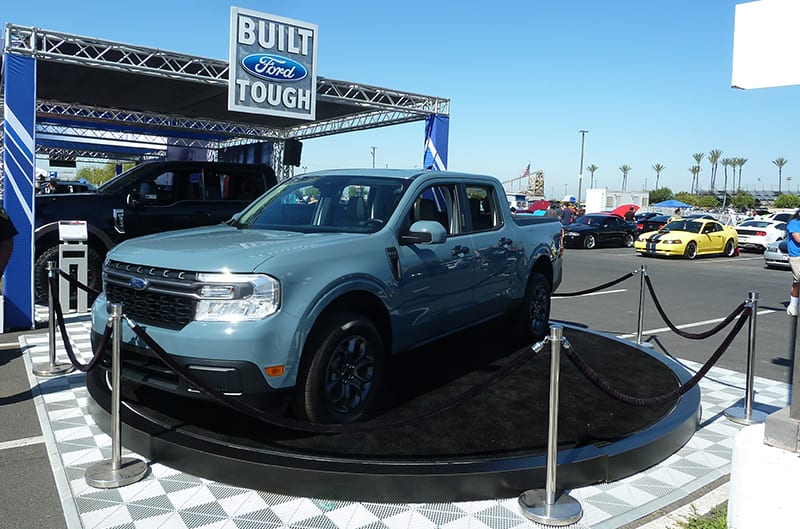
pixel 353 106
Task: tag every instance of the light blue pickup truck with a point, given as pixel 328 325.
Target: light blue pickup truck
pixel 302 296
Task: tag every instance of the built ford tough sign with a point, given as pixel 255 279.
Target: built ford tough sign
pixel 302 297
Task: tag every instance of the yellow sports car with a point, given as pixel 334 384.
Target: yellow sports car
pixel 689 238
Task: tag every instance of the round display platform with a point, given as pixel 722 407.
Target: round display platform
pixel 489 446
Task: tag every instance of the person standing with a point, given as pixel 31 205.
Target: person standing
pixel 630 214
pixel 793 248
pixel 7 233
pixel 566 215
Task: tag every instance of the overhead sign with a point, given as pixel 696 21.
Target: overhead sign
pixel 273 65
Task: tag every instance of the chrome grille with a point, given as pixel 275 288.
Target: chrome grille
pixel 169 300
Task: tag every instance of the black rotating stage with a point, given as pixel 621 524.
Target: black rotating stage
pixel 490 446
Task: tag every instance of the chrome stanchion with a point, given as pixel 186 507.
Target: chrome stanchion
pixel 117 471
pixel 746 414
pixel 640 324
pixel 51 368
pixel 542 506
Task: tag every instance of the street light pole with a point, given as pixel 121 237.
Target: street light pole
pixel 580 169
pixel 373 149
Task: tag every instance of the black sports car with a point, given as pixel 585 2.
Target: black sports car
pixel 589 231
pixel 653 223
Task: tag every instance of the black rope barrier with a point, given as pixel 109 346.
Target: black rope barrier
pixel 692 336
pixel 65 335
pixel 597 288
pixel 305 426
pixel 603 385
pixel 73 281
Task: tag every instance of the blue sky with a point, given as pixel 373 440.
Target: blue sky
pixel 649 80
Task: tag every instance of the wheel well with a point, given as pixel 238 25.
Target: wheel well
pixel 369 306
pixel 50 239
pixel 544 267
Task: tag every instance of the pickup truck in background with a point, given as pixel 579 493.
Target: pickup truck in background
pixel 151 197
pixel 302 297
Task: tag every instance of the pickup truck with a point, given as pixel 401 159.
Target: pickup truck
pixel 299 300
pixel 151 197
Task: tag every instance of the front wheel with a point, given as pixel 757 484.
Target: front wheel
pixel 94 273
pixel 342 370
pixel 628 241
pixel 534 315
pixel 730 248
pixel 589 242
pixel 691 250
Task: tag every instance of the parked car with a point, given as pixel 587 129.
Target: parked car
pixel 589 231
pixel 776 255
pixel 689 238
pixel 757 234
pixel 646 215
pixel 653 223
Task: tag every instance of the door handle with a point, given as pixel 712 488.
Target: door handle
pixel 459 250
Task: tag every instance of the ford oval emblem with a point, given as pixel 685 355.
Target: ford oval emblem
pixel 137 283
pixel 274 67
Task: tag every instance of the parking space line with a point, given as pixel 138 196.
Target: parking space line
pixel 16 443
pixel 593 293
pixel 688 325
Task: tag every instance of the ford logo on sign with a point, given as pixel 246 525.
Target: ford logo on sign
pixel 137 283
pixel 274 67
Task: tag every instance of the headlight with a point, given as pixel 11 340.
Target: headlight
pixel 672 241
pixel 237 297
pixel 641 238
pixel 572 234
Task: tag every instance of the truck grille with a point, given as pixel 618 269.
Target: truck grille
pixel 169 299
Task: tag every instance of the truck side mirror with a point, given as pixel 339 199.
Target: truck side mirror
pixel 424 232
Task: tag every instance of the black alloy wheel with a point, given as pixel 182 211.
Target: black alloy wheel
pixel 730 248
pixel 628 240
pixel 691 250
pixel 534 315
pixel 342 370
pixel 589 241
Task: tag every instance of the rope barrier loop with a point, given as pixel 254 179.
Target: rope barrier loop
pixel 603 385
pixel 305 426
pixel 73 281
pixel 65 335
pixel 597 288
pixel 692 336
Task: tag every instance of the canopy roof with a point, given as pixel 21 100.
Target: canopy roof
pixel 86 85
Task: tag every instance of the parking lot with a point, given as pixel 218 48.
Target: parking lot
pixel 695 295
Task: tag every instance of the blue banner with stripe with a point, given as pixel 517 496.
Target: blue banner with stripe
pixel 437 132
pixel 19 161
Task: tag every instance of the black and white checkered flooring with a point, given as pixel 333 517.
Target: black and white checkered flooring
pixel 168 498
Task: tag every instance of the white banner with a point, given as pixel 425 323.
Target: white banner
pixel 273 65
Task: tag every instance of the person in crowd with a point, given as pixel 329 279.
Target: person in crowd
pixel 566 215
pixel 513 210
pixel 552 211
pixel 51 185
pixel 630 214
pixel 7 233
pixel 793 249
pixel 676 215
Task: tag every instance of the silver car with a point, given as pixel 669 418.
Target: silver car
pixel 776 255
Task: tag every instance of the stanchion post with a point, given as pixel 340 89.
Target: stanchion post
pixel 746 414
pixel 51 368
pixel 640 324
pixel 117 471
pixel 542 506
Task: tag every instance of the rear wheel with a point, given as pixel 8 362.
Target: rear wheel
pixel 691 250
pixel 533 320
pixel 342 370
pixel 589 242
pixel 730 248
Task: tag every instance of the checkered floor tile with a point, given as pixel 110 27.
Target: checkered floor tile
pixel 168 498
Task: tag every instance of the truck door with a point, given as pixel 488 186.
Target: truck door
pixel 495 251
pixel 171 200
pixel 436 279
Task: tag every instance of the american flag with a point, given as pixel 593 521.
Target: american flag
pixel 527 172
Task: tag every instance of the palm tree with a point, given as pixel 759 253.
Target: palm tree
pixel 740 163
pixel 780 162
pixel 625 170
pixel 591 168
pixel 713 157
pixel 657 168
pixel 695 170
pixel 698 157
pixel 727 162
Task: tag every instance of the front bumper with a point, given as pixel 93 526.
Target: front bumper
pixel 659 249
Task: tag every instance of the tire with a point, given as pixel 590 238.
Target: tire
pixel 691 250
pixel 628 241
pixel 94 273
pixel 342 370
pixel 730 249
pixel 533 319
pixel 589 242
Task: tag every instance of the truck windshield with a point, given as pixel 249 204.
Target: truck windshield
pixel 329 203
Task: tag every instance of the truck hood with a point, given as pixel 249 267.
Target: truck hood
pixel 220 247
